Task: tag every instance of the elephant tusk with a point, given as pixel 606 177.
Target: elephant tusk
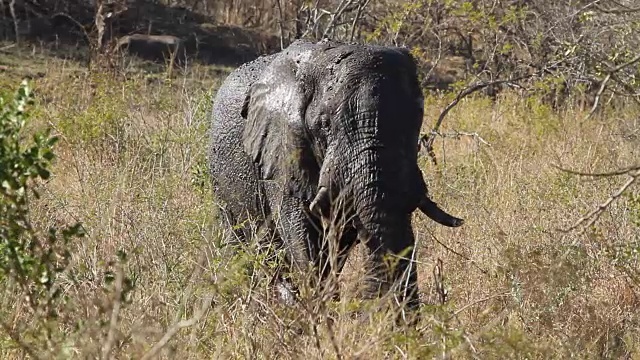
pixel 435 213
pixel 317 206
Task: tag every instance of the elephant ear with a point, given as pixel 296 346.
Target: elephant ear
pixel 275 134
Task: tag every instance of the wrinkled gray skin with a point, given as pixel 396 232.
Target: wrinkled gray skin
pixel 320 124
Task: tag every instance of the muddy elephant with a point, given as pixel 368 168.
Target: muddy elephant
pixel 319 132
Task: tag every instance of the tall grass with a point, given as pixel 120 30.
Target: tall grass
pixel 131 166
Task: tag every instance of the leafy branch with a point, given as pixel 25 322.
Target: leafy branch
pixel 30 257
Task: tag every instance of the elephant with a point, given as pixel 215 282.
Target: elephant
pixel 323 131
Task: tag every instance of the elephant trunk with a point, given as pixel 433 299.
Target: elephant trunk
pixel 385 227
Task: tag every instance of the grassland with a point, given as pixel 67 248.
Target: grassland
pixel 131 166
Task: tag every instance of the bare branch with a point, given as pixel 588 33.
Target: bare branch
pixel 361 6
pixel 12 10
pixel 479 301
pixel 115 313
pixel 617 11
pixel 344 5
pixel 598 95
pixel 610 74
pixel 427 140
pixel 627 64
pixel 4 48
pixel 206 303
pixel 622 171
pixel 280 24
pixel 593 216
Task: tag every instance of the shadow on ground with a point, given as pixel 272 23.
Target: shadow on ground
pixel 65 32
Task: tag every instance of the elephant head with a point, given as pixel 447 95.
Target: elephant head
pixel 332 121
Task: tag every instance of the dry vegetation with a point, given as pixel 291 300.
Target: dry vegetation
pixel 149 277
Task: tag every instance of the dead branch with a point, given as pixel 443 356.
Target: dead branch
pixel 342 7
pixel 361 6
pixel 206 303
pixel 590 218
pixel 598 95
pixel 438 280
pixel 622 171
pixel 610 73
pixel 631 91
pixel 426 141
pixel 115 313
pixel 12 10
pixel 455 134
pixel 448 248
pixel 617 11
pixel 624 65
pixel 280 24
pixel 4 48
pixel 479 301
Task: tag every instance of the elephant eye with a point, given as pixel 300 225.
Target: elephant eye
pixel 325 125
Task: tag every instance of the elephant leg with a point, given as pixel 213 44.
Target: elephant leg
pixel 331 261
pixel 242 231
pixel 301 233
pixel 391 269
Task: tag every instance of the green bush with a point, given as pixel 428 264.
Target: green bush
pixel 31 259
pixel 101 121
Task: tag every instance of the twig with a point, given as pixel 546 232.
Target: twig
pixel 438 280
pixel 12 10
pixel 611 73
pixel 177 326
pixel 457 134
pixel 115 313
pixel 344 4
pixel 356 18
pixel 598 95
pixel 457 253
pixel 622 171
pixel 617 11
pixel 465 307
pixel 427 140
pixel 280 21
pixel 468 341
pixel 8 47
pixel 593 216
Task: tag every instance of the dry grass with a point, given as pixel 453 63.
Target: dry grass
pixel 131 166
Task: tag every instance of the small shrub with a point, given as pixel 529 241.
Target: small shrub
pixel 102 120
pixel 31 259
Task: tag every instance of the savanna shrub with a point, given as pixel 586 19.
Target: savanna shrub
pixel 31 258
